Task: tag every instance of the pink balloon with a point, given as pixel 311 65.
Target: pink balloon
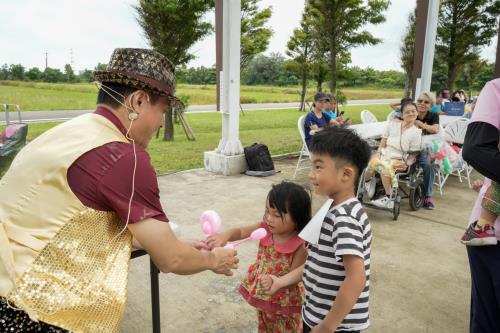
pixel 210 222
pixel 257 234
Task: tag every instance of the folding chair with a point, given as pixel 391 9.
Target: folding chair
pixel 390 116
pixel 455 133
pixel 368 117
pixel 304 153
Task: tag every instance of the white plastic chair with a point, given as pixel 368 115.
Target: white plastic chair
pixel 454 132
pixel 390 116
pixel 304 153
pixel 368 117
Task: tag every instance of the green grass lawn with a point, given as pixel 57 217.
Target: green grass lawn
pixel 276 128
pixel 59 96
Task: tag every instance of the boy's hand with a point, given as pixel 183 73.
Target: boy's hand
pixel 270 283
pixel 478 183
pixel 217 240
pixel 321 329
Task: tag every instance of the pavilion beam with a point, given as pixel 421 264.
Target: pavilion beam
pixel 426 30
pixel 497 62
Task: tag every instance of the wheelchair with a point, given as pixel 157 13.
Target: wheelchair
pixel 12 138
pixel 410 186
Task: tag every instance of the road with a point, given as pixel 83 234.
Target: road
pixel 62 115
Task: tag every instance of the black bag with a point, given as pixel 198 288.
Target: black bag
pixel 259 160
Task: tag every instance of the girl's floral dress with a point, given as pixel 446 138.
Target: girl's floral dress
pixel 280 312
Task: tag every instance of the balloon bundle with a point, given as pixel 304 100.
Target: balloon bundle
pixel 444 155
pixel 210 225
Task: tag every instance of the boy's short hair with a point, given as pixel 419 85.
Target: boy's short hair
pixel 343 145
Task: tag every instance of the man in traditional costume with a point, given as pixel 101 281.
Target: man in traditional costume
pixel 76 197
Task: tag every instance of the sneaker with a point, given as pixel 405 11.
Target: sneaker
pixel 479 237
pixel 428 203
pixel 383 202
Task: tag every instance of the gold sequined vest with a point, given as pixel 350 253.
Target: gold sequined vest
pixel 61 262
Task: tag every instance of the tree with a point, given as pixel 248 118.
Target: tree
pixel 86 75
pixel 299 49
pixel 34 74
pixel 16 72
pixel 270 70
pixel 100 67
pixel 172 27
pixel 340 23
pixel 254 34
pixel 52 75
pixel 407 50
pixel 4 72
pixel 463 26
pixel 471 71
pixel 69 73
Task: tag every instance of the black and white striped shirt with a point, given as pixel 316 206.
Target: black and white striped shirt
pixel 345 231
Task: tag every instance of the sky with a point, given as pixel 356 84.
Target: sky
pixel 85 32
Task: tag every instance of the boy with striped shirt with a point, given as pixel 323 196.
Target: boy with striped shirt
pixel 337 270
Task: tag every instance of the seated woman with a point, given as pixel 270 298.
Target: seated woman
pixel 399 139
pixel 318 118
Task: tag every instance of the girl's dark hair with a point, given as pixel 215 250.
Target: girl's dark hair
pixel 287 197
pixel 403 105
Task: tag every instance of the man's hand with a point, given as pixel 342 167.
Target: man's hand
pixel 217 240
pixel 478 183
pixel 225 261
pixel 419 124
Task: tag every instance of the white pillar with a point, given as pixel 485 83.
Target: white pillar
pixel 230 89
pixel 228 157
pixel 429 47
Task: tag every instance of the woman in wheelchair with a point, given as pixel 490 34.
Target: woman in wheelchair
pixel 393 155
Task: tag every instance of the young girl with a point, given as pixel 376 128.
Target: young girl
pixel 288 209
pixel 482 232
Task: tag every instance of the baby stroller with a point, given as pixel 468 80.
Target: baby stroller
pixel 410 185
pixel 12 138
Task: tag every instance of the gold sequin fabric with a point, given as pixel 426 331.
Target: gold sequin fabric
pixel 79 279
pixel 13 321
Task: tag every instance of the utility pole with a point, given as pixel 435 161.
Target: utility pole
pixel 71 59
pixel 46 59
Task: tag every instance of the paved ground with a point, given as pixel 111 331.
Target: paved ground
pixel 420 277
pixel 61 115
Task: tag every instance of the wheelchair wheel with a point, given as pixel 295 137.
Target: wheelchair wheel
pixel 417 195
pixel 397 207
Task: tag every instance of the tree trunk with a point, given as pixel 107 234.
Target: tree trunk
pixel 333 68
pixel 319 85
pixel 452 66
pixel 303 92
pixel 168 134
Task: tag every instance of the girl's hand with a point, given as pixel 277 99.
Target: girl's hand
pixel 400 166
pixel 217 240
pixel 197 244
pixel 266 282
pixel 478 183
pixel 270 283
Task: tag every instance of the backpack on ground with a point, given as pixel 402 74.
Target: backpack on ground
pixel 259 160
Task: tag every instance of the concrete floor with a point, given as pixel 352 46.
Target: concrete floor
pixel 419 282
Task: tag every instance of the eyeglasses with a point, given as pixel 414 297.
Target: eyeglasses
pixel 423 101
